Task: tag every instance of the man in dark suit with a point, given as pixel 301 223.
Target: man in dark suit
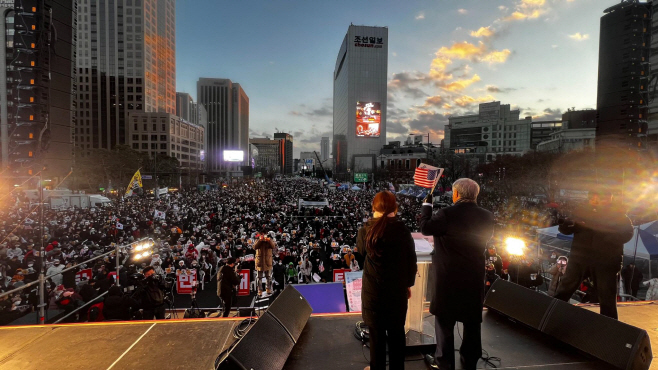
pixel 599 234
pixel 227 279
pixel 461 233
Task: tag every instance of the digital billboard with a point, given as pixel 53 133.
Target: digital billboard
pixel 368 119
pixel 233 156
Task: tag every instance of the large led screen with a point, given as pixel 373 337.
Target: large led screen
pixel 368 119
pixel 233 156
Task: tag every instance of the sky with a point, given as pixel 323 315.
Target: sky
pixel 445 57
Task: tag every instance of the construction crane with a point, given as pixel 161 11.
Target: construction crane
pixel 321 166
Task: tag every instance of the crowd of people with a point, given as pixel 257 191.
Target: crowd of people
pixel 195 230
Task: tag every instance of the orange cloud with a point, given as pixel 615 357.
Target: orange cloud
pixel 497 56
pixel 465 100
pixel 460 85
pixel 433 100
pixel 483 32
pixel 527 9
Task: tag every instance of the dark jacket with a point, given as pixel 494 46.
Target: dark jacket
pixel 387 277
pixel 226 280
pixel 597 235
pixel 461 233
pixel 117 306
pixel 152 294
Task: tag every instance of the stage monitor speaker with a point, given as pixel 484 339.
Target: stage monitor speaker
pixel 292 310
pixel 267 344
pixel 619 344
pixel 519 303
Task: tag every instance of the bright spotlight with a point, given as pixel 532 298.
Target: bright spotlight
pixel 514 246
pixel 139 247
pixel 138 256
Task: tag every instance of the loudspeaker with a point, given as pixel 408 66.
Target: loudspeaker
pixel 292 311
pixel 519 303
pixel 268 343
pixel 619 344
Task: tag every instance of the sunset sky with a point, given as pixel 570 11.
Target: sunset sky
pixel 445 56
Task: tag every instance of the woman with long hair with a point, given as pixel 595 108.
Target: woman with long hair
pixel 389 273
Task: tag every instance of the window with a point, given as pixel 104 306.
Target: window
pixel 155 127
pixel 154 146
pixel 164 127
pixel 135 127
pixel 135 137
pixel 145 146
pixel 163 137
pixel 135 146
pixel 145 128
pixel 145 137
pixel 163 146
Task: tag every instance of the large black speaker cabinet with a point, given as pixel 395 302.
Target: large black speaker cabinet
pixel 268 342
pixel 621 345
pixel 519 303
pixel 292 311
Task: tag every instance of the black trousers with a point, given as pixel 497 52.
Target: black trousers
pixel 384 333
pixel 471 348
pixel 604 276
pixel 158 313
pixel 227 301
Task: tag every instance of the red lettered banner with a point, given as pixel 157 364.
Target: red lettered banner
pixel 185 281
pixel 86 273
pixel 339 275
pixel 243 289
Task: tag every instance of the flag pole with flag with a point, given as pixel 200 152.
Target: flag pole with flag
pixel 135 182
pixel 427 176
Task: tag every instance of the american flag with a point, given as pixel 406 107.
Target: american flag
pixel 427 176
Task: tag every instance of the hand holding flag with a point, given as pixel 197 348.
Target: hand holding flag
pixel 427 176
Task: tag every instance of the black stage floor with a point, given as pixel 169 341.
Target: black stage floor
pixel 327 342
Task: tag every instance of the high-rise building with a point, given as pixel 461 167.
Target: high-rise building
pixel 227 108
pixel 623 81
pixel 185 107
pixel 38 86
pixel 324 148
pixel 285 152
pixel 268 154
pixel 126 63
pixel 360 98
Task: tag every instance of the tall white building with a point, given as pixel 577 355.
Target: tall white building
pixel 496 129
pixel 126 60
pixel 227 108
pixel 360 98
pixel 324 148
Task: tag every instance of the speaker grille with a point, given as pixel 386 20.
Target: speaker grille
pixel 607 339
pixel 292 310
pixel 519 303
pixel 266 346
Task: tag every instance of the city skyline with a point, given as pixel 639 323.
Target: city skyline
pixel 541 56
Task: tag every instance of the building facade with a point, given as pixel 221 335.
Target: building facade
pixel 542 130
pixel 496 129
pixel 185 107
pixel 324 148
pixel 623 80
pixel 38 87
pixel 126 63
pixel 285 152
pixel 268 154
pixel 567 140
pixel 360 98
pixel 167 134
pixel 227 109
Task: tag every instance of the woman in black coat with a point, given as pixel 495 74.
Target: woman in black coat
pixel 388 275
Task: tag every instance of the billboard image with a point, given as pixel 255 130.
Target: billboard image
pixel 368 119
pixel 233 156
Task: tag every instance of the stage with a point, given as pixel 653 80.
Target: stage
pixel 327 342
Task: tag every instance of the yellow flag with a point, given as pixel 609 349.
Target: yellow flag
pixel 135 182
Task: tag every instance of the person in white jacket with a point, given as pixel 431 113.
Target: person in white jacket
pixel 652 292
pixel 56 268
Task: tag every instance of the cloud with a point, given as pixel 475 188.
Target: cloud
pixel 462 11
pixel 407 83
pixel 420 15
pixel 527 9
pixel 496 89
pixel 468 101
pixel 554 46
pixel 396 127
pixel 463 51
pixel 579 37
pixel 320 112
pixel 483 32
pixel 502 8
pixel 295 113
pixel 548 114
pixel 460 85
pixel 428 121
pixel 433 101
pixel 496 56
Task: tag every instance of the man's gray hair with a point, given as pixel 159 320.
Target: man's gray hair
pixel 467 189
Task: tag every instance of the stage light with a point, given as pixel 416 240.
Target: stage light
pixel 515 246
